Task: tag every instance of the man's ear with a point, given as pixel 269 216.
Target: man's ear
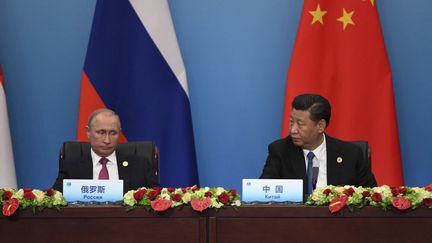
pixel 322 125
pixel 88 131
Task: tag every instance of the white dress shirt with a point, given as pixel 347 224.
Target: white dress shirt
pixel 111 166
pixel 320 159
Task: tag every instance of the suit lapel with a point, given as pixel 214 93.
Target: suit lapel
pixel 86 164
pixel 298 162
pixel 124 171
pixel 333 152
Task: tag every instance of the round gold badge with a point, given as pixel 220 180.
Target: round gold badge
pixel 125 163
pixel 339 160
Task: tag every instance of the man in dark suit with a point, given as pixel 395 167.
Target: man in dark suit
pixel 336 162
pixel 102 159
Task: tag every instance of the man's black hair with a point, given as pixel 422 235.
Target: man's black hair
pixel 318 106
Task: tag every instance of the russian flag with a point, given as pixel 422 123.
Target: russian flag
pixel 134 67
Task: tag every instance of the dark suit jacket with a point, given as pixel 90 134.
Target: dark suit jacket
pixel 286 161
pixel 137 174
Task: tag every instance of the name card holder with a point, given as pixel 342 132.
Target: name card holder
pixel 272 190
pixel 78 190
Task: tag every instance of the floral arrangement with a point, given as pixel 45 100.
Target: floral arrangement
pixel 12 199
pixel 385 197
pixel 161 199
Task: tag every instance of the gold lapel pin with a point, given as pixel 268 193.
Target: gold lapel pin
pixel 125 163
pixel 339 160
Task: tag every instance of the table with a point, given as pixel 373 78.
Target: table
pixel 104 224
pixel 251 223
pixel 315 224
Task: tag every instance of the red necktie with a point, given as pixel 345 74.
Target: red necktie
pixel 103 174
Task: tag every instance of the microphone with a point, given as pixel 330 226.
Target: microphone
pixel 315 170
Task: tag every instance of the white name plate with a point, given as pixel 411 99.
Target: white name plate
pixel 77 190
pixel 272 190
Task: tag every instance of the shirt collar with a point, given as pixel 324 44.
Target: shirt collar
pixel 95 158
pixel 319 151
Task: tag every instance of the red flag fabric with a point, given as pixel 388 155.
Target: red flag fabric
pixel 339 53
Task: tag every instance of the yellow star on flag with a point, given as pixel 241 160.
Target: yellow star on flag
pixel 346 18
pixel 371 1
pixel 318 15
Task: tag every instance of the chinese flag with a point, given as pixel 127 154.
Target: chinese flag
pixel 340 54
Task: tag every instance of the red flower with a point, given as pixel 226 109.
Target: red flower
pixel 376 197
pixel 327 191
pixel 176 197
pixel 338 203
pixel 49 192
pixel 427 202
pixel 402 190
pixel 10 206
pixel 139 194
pixel 208 194
pixel 200 204
pixel 160 205
pixel 429 188
pixel 398 191
pixel 366 194
pixel 6 195
pixel 395 191
pixel 349 191
pixel 233 192
pixel 28 194
pixel 153 194
pixel 401 203
pixel 223 198
pixel 195 188
pixel 171 189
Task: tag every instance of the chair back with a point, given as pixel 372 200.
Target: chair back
pixel 366 151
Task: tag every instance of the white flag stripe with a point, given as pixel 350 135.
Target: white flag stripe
pixel 156 18
pixel 7 166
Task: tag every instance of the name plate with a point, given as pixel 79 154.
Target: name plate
pixel 77 190
pixel 272 190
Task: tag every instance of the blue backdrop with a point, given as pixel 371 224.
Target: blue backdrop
pixel 236 54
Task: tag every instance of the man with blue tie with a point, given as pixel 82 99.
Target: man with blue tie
pixel 313 156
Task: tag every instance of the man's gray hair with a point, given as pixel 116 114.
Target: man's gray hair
pixel 100 111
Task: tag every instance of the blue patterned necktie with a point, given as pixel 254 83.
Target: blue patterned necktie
pixel 310 157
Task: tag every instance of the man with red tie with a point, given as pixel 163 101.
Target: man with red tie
pixel 102 159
